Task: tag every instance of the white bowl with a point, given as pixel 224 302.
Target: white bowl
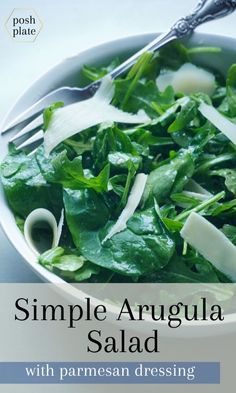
pixel 67 73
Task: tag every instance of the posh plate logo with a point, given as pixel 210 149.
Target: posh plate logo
pixel 23 25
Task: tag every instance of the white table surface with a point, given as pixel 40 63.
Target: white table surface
pixel 70 26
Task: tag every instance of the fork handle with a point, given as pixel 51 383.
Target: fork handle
pixel 205 11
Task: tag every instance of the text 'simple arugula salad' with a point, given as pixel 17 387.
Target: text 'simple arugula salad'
pixel 138 183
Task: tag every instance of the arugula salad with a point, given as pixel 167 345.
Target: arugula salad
pixel 138 183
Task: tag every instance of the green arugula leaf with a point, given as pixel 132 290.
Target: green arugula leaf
pixel 110 140
pixel 230 232
pixel 169 178
pixel 95 73
pixel 222 208
pixel 143 96
pixel 230 178
pixel 69 266
pixel 121 160
pixel 231 90
pixel 25 187
pixel 184 117
pixel 173 55
pixel 70 174
pixel 137 250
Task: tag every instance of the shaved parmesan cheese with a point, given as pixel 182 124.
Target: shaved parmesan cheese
pixel 72 119
pixel 188 79
pixel 194 190
pixel 200 197
pixel 165 79
pixel 132 204
pixel 193 186
pixel 211 243
pixel 42 216
pixel 195 195
pixel 59 229
pixel 227 127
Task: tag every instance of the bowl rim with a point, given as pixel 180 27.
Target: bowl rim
pixel 30 258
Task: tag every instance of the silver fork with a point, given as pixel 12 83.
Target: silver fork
pixel 206 10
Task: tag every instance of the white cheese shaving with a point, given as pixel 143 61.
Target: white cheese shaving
pixel 197 195
pixel 72 119
pixel 132 204
pixel 59 229
pixel 193 186
pixel 165 79
pixel 188 79
pixel 42 216
pixel 211 243
pixel 227 127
